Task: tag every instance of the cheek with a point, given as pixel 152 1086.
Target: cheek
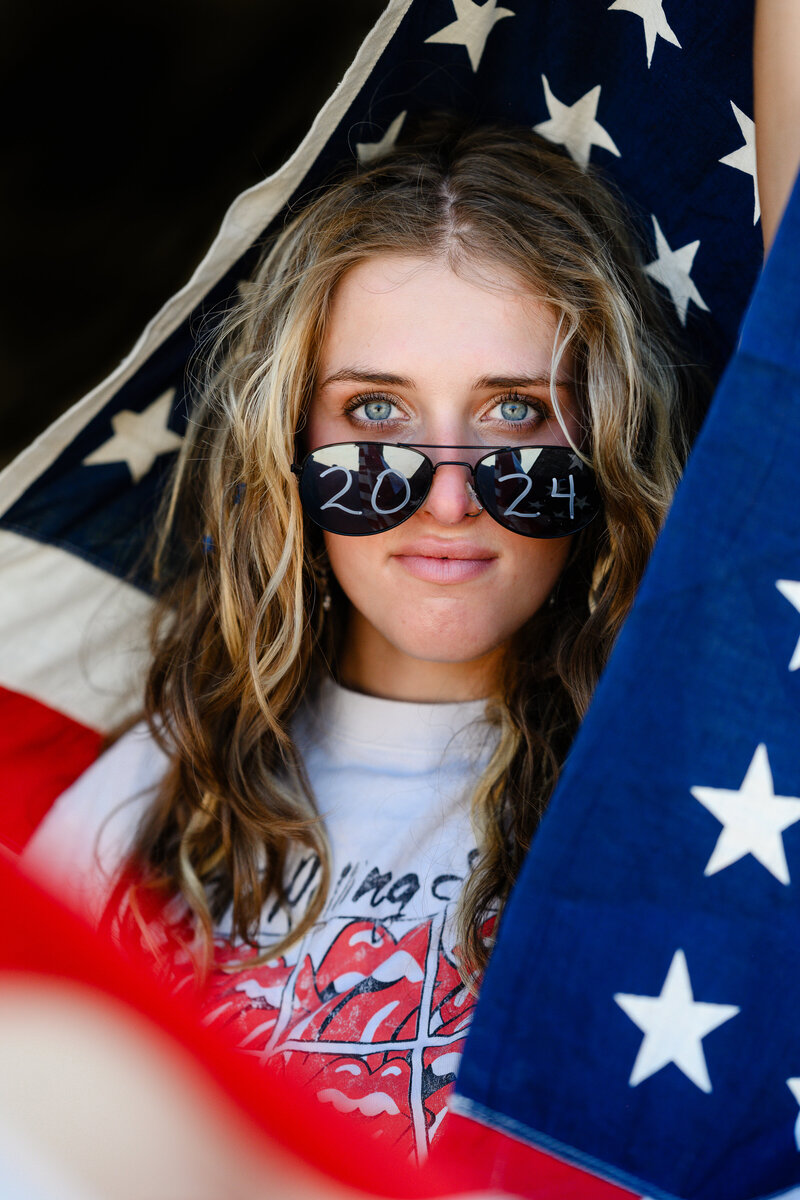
pixel 356 562
pixel 537 566
pixel 540 562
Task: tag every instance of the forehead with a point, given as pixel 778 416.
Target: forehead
pixel 402 311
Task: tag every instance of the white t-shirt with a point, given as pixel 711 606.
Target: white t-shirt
pixel 368 1008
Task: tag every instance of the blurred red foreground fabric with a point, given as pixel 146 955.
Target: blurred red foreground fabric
pixel 46 941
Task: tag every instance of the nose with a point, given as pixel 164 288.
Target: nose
pixel 452 496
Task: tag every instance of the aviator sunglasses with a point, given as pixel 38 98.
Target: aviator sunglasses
pixel 360 488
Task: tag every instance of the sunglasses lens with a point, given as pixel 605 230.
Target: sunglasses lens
pixel 357 488
pixel 539 491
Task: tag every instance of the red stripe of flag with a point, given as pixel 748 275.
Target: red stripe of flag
pixel 41 753
pixel 478 1157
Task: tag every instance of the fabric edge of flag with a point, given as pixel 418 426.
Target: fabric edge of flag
pixel 249 213
pixel 493 1119
pixel 757 331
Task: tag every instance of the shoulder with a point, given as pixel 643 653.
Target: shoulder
pixel 87 833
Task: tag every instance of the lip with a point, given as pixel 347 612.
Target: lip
pixel 437 561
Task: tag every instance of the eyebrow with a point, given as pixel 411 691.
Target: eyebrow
pixel 374 376
pixel 512 381
pixel 367 375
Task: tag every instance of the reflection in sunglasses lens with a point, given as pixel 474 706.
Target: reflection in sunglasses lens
pixel 359 488
pixel 538 491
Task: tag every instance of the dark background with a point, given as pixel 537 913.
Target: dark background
pixel 130 128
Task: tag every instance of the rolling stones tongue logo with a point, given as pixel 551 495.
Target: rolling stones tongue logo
pixel 376 1028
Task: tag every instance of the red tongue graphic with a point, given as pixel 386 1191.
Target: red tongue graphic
pixel 367 987
pixel 363 1002
pixel 374 1091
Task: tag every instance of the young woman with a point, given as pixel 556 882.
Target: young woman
pixel 432 455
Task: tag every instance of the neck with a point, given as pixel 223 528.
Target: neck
pixel 371 664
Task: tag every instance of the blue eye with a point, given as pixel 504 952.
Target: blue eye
pixel 378 410
pixel 514 410
pixel 526 413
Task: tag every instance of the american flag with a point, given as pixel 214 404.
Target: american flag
pixel 635 1020
pixel 638 1016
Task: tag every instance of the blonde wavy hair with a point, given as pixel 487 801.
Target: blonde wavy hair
pixel 240 637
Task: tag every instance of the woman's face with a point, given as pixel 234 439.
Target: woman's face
pixel 416 353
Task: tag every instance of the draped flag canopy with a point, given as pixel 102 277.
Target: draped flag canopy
pixel 636 1019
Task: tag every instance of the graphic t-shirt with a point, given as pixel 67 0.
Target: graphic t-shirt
pixel 368 1008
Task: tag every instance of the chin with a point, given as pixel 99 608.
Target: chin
pixel 455 645
pixel 452 656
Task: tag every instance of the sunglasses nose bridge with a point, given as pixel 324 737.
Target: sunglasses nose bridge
pixel 449 503
pixel 454 462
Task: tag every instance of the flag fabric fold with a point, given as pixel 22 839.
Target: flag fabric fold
pixel 639 1012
